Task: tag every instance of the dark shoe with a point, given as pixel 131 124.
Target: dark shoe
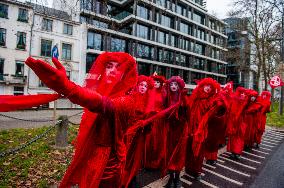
pixel 257 146
pixel 238 157
pixel 177 182
pixel 170 183
pixel 211 162
pixel 198 177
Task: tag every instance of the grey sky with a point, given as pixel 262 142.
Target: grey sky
pixel 220 7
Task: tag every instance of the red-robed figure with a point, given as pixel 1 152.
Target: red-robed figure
pixel 217 126
pixel 100 150
pixel 251 118
pixel 176 129
pixel 155 140
pixel 203 105
pixel 135 141
pixel 264 100
pixel 236 125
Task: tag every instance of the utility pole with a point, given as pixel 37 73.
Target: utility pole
pixel 282 57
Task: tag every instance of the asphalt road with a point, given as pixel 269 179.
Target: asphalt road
pixel 9 120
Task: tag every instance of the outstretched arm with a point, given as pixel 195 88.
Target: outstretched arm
pixel 56 79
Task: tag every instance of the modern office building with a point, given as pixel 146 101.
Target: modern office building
pixel 170 37
pixel 240 67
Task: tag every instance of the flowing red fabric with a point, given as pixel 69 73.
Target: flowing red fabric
pixel 155 140
pixel 251 119
pixel 13 103
pixel 176 126
pixel 265 102
pixel 203 105
pixel 236 124
pixel 100 151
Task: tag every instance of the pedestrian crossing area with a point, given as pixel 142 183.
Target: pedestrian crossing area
pixel 229 173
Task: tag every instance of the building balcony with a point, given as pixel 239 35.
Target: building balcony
pixel 10 79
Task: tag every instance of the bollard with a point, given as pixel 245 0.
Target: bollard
pixel 61 139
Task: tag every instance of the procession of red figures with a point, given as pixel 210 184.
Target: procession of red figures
pixel 133 122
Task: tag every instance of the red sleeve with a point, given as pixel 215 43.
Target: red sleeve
pixel 13 103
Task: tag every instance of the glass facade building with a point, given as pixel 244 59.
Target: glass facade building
pixel 170 37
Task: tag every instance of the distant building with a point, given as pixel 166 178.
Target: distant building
pixel 240 69
pixel 169 37
pixel 15 35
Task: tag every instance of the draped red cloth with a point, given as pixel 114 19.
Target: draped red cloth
pixel 155 140
pixel 236 124
pixel 265 102
pixel 100 150
pixel 251 119
pixel 203 106
pixel 12 103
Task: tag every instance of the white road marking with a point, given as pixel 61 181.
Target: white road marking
pixel 224 177
pixel 275 141
pixel 260 151
pixel 214 167
pixel 272 138
pixel 185 181
pixel 265 148
pixel 254 155
pixel 245 158
pixel 220 161
pixel 241 164
pixel 233 170
pixel 204 182
pixel 267 145
pixel 269 142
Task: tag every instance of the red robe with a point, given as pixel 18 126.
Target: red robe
pixel 265 103
pixel 252 120
pixel 155 140
pixel 236 125
pixel 12 103
pixel 203 107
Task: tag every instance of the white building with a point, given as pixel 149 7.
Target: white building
pixel 53 27
pixel 33 30
pixel 15 28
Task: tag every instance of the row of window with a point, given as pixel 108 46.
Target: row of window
pixel 181 26
pixel 95 41
pixel 22 13
pixel 19 70
pixel 188 12
pixel 175 41
pixel 46 49
pixel 47 25
pixel 21 39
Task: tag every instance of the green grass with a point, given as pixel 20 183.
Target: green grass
pixel 38 165
pixel 273 118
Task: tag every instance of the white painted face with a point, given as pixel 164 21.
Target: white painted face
pixel 243 95
pixel 157 84
pixel 174 86
pixel 207 88
pixel 112 73
pixel 252 99
pixel 142 87
pixel 264 96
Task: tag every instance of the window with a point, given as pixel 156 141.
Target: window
pixel 94 41
pixel 23 15
pixel 100 24
pixel 199 49
pixel 68 29
pixel 144 68
pixel 46 24
pixel 161 37
pixel 90 59
pixel 142 12
pixel 66 51
pixel 161 3
pixel 198 18
pixel 21 40
pixel 118 45
pixel 18 90
pixel 46 48
pixel 166 21
pixel 143 32
pixel 1 69
pixel 2 37
pixel 145 51
pixel 3 11
pixel 184 28
pixel 174 41
pixel 19 68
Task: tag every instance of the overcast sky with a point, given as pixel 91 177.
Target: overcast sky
pixel 220 7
